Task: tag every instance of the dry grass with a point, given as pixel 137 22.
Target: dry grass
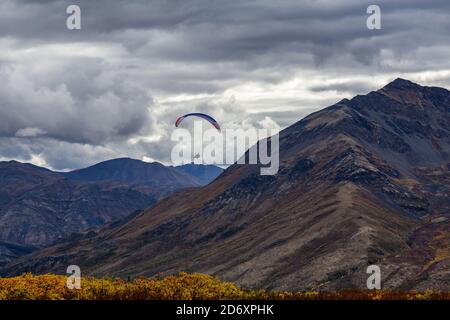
pixel 182 287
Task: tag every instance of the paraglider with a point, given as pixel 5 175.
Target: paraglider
pixel 200 115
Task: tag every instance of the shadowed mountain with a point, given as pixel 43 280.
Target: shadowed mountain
pixel 39 207
pixel 365 181
pixel 10 251
pixel 204 173
pixel 155 176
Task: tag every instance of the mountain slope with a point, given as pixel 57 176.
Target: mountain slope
pixel 38 206
pixel 155 176
pixel 203 173
pixel 364 181
pixel 10 251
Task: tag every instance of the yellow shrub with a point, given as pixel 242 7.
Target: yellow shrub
pixel 183 286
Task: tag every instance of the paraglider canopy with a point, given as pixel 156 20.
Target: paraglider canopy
pixel 200 115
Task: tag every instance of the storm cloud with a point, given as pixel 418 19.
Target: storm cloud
pixel 70 98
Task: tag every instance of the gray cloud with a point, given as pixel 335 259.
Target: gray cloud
pixel 84 106
pixel 71 98
pixel 352 87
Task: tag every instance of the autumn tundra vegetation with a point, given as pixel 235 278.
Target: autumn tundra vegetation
pixel 183 286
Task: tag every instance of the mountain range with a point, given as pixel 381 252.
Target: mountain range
pixel 39 206
pixel 154 176
pixel 365 181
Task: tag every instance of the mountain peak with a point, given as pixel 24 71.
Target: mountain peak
pixel 401 83
pixel 127 160
pixel 406 92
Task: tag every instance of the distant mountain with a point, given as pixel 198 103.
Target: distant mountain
pixel 38 206
pixel 17 178
pixel 365 181
pixel 10 251
pixel 204 173
pixel 156 176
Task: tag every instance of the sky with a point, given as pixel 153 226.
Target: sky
pixel 72 98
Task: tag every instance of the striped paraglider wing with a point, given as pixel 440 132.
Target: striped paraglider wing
pixel 199 115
